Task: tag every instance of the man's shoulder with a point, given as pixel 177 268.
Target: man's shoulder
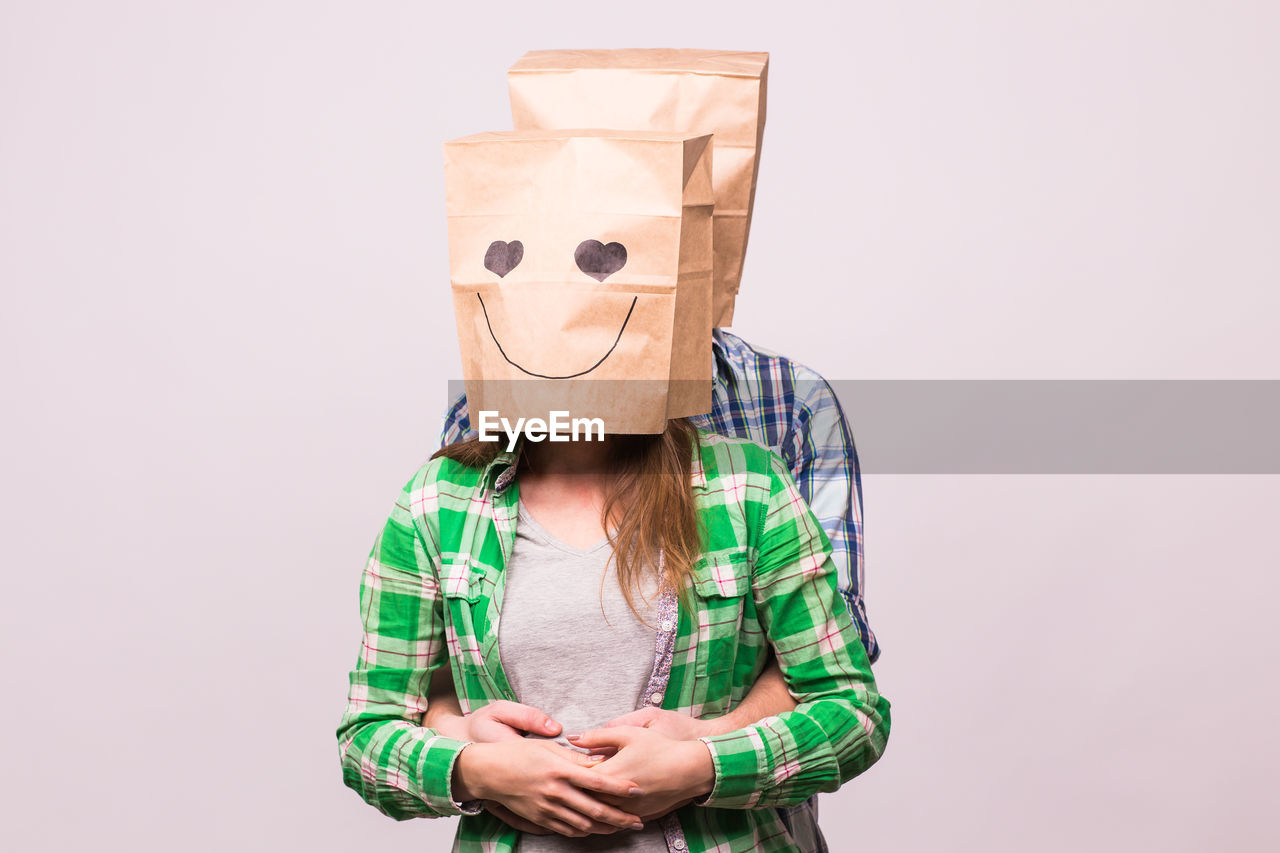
pixel 750 362
pixel 457 422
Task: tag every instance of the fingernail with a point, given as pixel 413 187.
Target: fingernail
pixel 635 792
pixel 575 737
pixel 637 825
pixel 549 726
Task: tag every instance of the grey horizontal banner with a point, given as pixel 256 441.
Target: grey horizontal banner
pixel 1058 426
pixel 1064 426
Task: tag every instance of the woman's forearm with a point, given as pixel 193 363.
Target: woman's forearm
pixel 784 761
pixel 394 765
pixel 841 723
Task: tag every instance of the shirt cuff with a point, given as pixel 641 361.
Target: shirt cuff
pixel 436 768
pixel 736 757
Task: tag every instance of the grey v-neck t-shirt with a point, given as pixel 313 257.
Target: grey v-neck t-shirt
pixel 571 646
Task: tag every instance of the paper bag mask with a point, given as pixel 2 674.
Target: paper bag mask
pixel 580 264
pixel 689 91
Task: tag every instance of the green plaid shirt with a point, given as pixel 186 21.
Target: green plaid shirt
pixel 432 591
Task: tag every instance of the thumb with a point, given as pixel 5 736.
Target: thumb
pixel 526 718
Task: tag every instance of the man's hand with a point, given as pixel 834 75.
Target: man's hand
pixel 670 771
pixel 541 783
pixel 673 724
pixel 514 820
pixel 495 722
pixel 768 696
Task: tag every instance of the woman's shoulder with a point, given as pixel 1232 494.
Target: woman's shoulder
pixel 441 481
pixel 443 469
pixel 740 460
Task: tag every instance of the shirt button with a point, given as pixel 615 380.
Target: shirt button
pixel 656 699
pixel 679 844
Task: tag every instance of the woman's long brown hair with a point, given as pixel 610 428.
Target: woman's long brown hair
pixel 648 507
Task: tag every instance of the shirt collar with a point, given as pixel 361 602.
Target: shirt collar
pixel 501 472
pixel 720 345
pixel 726 348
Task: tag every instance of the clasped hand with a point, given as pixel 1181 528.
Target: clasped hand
pixel 642 766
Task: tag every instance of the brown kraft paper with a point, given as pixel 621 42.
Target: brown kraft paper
pixel 581 266
pixel 693 91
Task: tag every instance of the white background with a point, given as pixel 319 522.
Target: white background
pixel 227 332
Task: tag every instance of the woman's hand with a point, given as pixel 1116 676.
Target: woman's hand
pixel 514 820
pixel 546 784
pixel 671 772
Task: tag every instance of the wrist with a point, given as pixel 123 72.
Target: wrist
pixel 723 725
pixel 700 770
pixel 469 773
pixel 449 724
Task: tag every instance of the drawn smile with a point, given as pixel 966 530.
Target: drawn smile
pixel 567 376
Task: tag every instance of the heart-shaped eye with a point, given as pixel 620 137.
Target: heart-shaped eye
pixel 599 260
pixel 502 257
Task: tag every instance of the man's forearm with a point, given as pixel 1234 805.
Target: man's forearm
pixel 767 697
pixel 444 711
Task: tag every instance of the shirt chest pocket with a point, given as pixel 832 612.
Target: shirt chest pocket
pixel 461 580
pixel 462 585
pixel 722 587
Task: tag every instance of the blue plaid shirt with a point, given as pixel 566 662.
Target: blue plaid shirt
pixel 789 408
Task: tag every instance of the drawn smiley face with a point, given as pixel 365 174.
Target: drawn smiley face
pixel 580 267
pixel 595 259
